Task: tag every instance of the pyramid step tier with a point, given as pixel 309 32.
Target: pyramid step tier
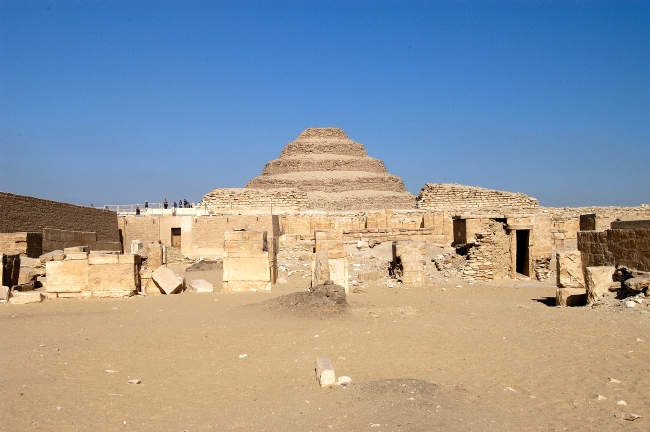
pixel 323 163
pixel 330 181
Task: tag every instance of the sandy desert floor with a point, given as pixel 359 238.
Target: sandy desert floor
pixel 476 358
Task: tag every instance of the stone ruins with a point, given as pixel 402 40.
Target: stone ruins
pixel 321 200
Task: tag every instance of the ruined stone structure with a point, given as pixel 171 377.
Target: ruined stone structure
pixel 626 243
pixel 469 199
pixel 26 221
pixel 228 200
pixel 335 172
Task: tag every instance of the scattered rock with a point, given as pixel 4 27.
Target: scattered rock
pixel 627 416
pixel 243 355
pixel 201 286
pixel 621 402
pixel 343 380
pixel 325 372
pixel 600 397
pixel 134 381
pixel 637 283
pixel 629 304
pixel 5 292
pixel 614 380
pixel 21 298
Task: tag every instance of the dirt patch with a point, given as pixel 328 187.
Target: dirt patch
pixel 321 299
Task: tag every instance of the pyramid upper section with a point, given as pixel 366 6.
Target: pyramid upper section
pixel 327 163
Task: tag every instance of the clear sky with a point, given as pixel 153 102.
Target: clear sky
pixel 120 102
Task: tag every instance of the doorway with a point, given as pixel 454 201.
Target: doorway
pixel 176 238
pixel 523 254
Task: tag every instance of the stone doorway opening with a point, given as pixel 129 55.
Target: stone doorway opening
pixel 176 238
pixel 523 253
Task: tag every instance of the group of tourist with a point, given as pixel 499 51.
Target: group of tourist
pixel 181 204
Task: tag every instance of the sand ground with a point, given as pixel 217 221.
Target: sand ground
pixel 493 357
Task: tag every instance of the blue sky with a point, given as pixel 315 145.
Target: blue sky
pixel 121 102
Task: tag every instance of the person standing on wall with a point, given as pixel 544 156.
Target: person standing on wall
pixel 165 203
pixel 137 210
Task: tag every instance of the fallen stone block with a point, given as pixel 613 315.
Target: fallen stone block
pixel 30 262
pixel 56 255
pixel 637 283
pixel 201 285
pixel 5 292
pixel 75 249
pixel 20 298
pixel 325 372
pixel 26 275
pixel 27 286
pixel 570 297
pixel 569 270
pixel 598 280
pixel 166 280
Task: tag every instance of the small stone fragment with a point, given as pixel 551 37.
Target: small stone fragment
pixel 134 381
pixel 628 416
pixel 110 371
pixel 621 402
pixel 243 355
pixel 614 380
pixel 342 380
pixel 600 397
pixel 629 304
pixel 325 372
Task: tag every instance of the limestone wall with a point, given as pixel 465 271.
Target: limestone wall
pixel 237 199
pixel 20 213
pixel 626 243
pixel 438 196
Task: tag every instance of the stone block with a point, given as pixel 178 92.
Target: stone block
pixel 569 270
pixel 4 293
pixel 56 255
pixel 570 297
pixel 325 372
pixel 129 259
pixel 21 298
pixel 112 277
pixel 69 256
pixel 246 267
pixel 154 255
pixel 102 259
pixel 242 286
pixel 27 275
pixel 597 281
pixel 67 276
pixel 27 286
pixel 321 268
pixel 201 285
pixel 76 249
pixel 637 283
pixel 167 280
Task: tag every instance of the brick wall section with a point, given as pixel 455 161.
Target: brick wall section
pixel 593 248
pixel 208 232
pixel 143 228
pixel 227 199
pixel 20 213
pixel 469 198
pixel 626 244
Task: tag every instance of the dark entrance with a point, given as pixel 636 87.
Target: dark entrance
pixel 460 232
pixel 176 238
pixel 522 252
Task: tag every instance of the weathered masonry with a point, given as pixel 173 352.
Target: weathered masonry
pixel 32 226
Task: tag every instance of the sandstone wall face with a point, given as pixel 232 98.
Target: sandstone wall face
pixel 20 213
pixel 469 198
pixel 25 244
